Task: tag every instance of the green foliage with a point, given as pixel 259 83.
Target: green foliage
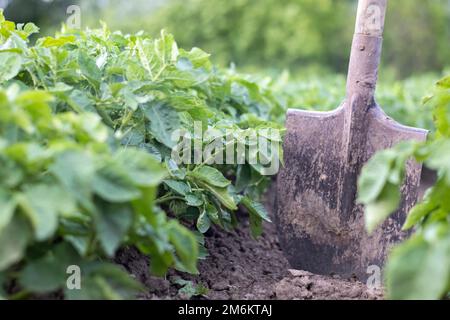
pixel 189 289
pixel 292 33
pixel 86 126
pixel 261 33
pixel 420 267
pixel 63 182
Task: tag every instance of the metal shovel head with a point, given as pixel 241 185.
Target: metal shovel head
pixel 321 228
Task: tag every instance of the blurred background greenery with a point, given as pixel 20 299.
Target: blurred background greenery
pixel 267 34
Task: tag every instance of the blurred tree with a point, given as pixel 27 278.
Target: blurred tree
pixel 417 35
pixel 293 33
pixel 268 33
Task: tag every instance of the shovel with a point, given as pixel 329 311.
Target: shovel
pixel 320 227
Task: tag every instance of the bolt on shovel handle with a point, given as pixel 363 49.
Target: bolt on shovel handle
pixel 366 49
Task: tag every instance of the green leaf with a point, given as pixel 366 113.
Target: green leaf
pixel 179 187
pixel 11 63
pixel 419 270
pixel 243 177
pixel 30 28
pixel 164 120
pixel 444 83
pixel 378 210
pixel 198 57
pixel 105 281
pixel 374 176
pixel 417 213
pixel 439 157
pixel 14 239
pixel 213 213
pixel 112 223
pixel 49 273
pixel 141 167
pixel 221 194
pixel 189 289
pixel 255 226
pixel 48 42
pixel 75 171
pixel 211 176
pixel 7 208
pixel 255 208
pixel 185 245
pixel 111 182
pixel 203 222
pixel 89 69
pixel 194 200
pixel 41 203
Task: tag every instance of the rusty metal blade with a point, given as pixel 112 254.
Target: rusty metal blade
pixel 321 229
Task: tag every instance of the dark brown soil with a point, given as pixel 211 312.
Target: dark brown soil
pixel 239 267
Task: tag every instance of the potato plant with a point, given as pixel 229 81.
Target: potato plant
pixel 85 138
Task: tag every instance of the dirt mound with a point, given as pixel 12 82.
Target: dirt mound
pixel 303 285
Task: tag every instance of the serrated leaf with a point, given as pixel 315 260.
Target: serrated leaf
pixel 193 200
pixel 112 183
pixel 112 223
pixel 141 167
pixel 211 176
pixel 179 187
pixel 418 270
pixel 198 57
pixel 11 64
pixel 89 68
pixel 163 122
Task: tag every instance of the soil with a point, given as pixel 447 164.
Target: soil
pixel 239 267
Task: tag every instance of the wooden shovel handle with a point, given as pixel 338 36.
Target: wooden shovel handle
pixel 370 17
pixel 366 50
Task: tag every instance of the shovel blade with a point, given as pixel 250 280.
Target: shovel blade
pixel 320 227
